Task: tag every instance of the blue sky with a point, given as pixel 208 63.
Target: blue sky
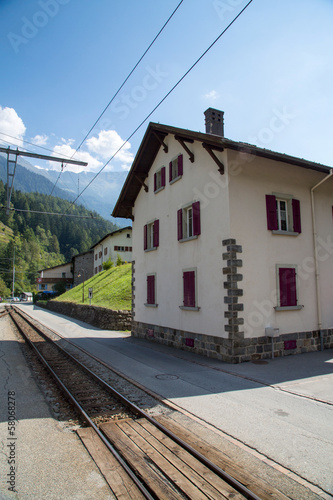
pixel 62 61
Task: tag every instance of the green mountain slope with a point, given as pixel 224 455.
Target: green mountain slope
pixel 111 289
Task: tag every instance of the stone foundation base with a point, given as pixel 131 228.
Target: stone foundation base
pixel 235 351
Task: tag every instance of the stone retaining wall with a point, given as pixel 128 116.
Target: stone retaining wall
pixel 103 318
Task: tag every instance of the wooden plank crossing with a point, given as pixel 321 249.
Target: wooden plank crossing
pixel 253 482
pixel 118 480
pixel 168 470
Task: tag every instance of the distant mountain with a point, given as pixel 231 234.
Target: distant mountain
pixel 100 196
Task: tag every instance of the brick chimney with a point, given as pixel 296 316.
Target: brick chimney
pixel 214 122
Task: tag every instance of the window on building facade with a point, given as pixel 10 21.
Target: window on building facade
pixel 95 270
pixel 105 251
pixel 283 214
pixel 151 290
pixel 287 287
pixel 190 300
pixel 176 168
pixel 100 254
pixel 151 235
pixel 99 268
pixel 188 221
pixel 128 235
pixel 159 179
pixel 63 275
pixel 96 256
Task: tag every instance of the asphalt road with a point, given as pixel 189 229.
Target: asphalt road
pixel 283 409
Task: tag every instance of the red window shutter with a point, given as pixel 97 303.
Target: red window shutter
pixel 170 171
pixel 163 176
pixel 296 216
pixel 180 165
pixel 145 237
pixel 156 233
pixel 180 224
pixel 272 222
pixel 196 218
pixel 287 280
pixel 189 288
pixel 151 289
pixel 126 249
pixel 155 181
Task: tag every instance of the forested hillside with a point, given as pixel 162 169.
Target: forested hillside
pixel 40 240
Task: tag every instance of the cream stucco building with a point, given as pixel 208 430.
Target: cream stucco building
pixel 117 243
pixel 232 245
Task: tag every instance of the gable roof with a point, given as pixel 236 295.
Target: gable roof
pixel 55 267
pixel 154 139
pixel 127 228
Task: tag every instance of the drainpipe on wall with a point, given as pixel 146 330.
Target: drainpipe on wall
pixel 315 246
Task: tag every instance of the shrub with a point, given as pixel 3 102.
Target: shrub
pixel 107 264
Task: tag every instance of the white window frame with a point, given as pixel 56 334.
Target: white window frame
pixel 174 170
pixel 287 198
pixel 150 235
pixel 158 174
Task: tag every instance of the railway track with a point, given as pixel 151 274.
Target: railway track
pixel 140 456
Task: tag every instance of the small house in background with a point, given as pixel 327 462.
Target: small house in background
pixel 83 267
pixel 113 245
pixel 56 275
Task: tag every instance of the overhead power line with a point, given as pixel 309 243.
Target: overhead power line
pixel 121 86
pixel 49 213
pixel 164 98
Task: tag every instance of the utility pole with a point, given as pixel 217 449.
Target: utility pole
pixel 13 289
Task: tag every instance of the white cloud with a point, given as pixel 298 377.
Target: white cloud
pixel 212 95
pixel 12 124
pixel 107 143
pixel 65 150
pixel 40 140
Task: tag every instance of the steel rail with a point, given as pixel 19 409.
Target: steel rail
pixel 248 494
pixel 83 413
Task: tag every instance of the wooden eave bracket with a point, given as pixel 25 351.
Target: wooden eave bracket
pixel 161 141
pixel 128 210
pixel 143 184
pixel 182 141
pixel 209 148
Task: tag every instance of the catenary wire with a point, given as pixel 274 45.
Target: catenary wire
pixel 121 86
pixel 163 99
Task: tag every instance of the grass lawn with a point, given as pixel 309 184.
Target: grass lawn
pixel 111 289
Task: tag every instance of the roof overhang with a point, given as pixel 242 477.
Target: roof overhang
pixel 154 139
